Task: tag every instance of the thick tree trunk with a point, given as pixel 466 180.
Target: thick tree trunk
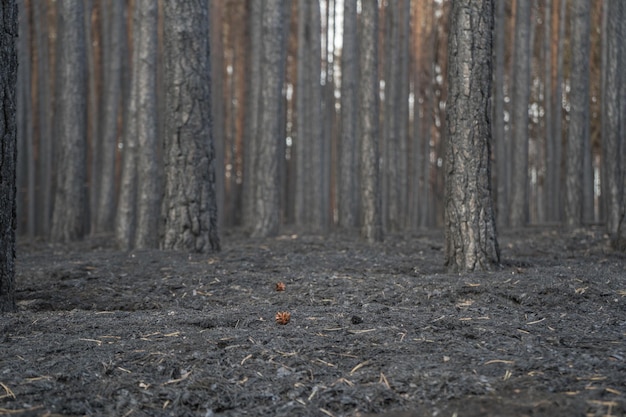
pixel 70 204
pixel 470 231
pixel 8 154
pixel 189 206
pixel 371 223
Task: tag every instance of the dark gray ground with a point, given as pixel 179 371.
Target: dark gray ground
pixel 374 329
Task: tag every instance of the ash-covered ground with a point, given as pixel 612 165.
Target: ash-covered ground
pixel 375 329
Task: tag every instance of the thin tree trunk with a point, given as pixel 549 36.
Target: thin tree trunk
pixel 578 130
pixel 557 105
pixel 550 162
pixel 43 117
pixel 25 131
pixel 521 94
pixel 217 79
pixel 252 112
pixel 500 139
pixel 371 223
pixel 267 197
pixel 347 200
pixel 70 204
pixel 113 25
pixel 612 121
pixel 148 166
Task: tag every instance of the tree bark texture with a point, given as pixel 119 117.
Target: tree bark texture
pixel 8 152
pixel 470 232
pixel 189 209
pixel 578 130
pixel 369 113
pixel 267 194
pixel 518 208
pixel 347 179
pixel 70 203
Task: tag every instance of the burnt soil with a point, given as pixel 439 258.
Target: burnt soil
pixel 375 329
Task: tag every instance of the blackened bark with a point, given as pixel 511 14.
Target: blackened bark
pixel 369 113
pixel 470 232
pixel 8 154
pixel 70 203
pixel 189 209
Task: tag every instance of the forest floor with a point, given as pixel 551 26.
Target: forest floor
pixel 375 330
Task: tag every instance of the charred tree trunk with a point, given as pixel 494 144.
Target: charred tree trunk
pixel 189 208
pixel 470 231
pixel 8 154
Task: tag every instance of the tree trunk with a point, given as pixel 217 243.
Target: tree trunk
pixel 113 29
pixel 267 198
pixel 8 152
pixel 578 131
pixel 253 94
pixel 500 138
pixel 189 206
pixel 25 131
pixel 309 143
pixel 557 105
pixel 470 232
pixel 348 146
pixel 613 141
pixel 550 162
pixel 371 223
pixel 217 94
pixel 44 119
pixel 518 208
pixel 70 204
